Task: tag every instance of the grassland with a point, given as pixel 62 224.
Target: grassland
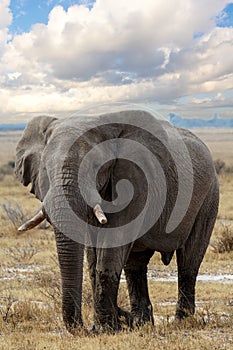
pixel 30 297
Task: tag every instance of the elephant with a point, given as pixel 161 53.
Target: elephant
pixel 172 169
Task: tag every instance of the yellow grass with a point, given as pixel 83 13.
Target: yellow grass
pixel 220 142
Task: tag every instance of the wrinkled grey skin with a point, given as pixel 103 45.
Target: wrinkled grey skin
pixel 42 142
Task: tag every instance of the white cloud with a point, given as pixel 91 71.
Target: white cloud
pixel 5 15
pixel 136 50
pixel 5 21
pixel 80 43
pixel 206 66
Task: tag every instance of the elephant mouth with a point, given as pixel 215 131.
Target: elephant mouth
pixel 40 216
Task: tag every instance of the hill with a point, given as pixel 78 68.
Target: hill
pixel 189 123
pixel 12 127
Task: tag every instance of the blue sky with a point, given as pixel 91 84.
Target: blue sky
pixel 28 12
pixel 227 19
pixel 57 57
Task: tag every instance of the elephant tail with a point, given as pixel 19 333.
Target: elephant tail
pixel 166 257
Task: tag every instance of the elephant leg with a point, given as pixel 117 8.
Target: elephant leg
pixel 190 256
pixel 105 300
pixel 186 293
pixel 118 312
pixel 136 276
pixel 70 256
pixel 109 265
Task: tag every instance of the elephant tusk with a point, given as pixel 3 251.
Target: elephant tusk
pixel 35 221
pixel 100 214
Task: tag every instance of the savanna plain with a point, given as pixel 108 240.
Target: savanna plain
pixel 30 296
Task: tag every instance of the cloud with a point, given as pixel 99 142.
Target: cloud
pixel 206 65
pixel 5 21
pixel 80 43
pixel 116 50
pixel 5 14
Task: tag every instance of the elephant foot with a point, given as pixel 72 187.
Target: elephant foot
pixel 123 319
pixel 182 313
pixel 140 317
pixel 126 317
pixel 73 326
pixel 117 322
pixel 107 323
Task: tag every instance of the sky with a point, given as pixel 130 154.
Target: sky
pixel 60 57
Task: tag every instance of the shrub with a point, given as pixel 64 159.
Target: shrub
pixel 7 169
pixel 221 167
pixel 14 213
pixel 225 241
pixel 22 254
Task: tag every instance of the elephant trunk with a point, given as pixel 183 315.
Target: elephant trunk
pixel 63 203
pixel 70 256
pixel 70 250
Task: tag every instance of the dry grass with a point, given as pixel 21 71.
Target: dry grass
pixel 226 194
pixel 220 142
pixel 30 297
pixel 8 142
pixel 224 241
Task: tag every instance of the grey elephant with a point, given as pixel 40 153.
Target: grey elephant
pixel 155 188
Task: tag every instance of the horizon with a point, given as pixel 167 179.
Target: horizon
pixel 213 117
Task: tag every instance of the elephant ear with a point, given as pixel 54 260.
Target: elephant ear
pixel 29 151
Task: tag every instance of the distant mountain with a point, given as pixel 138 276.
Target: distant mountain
pixel 190 123
pixel 12 127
